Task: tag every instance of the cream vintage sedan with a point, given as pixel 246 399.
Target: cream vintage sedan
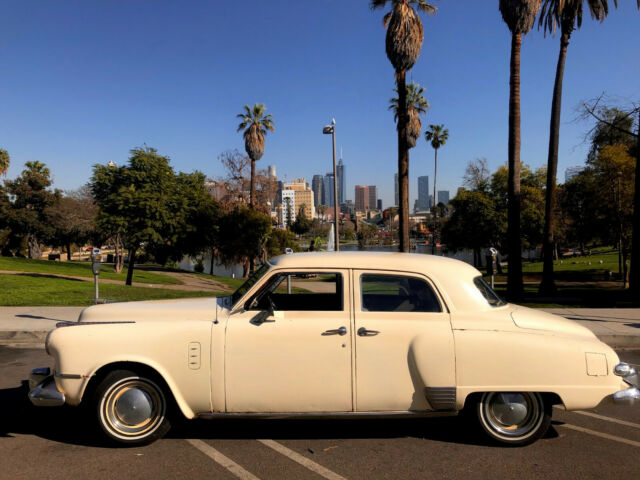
pixel 351 334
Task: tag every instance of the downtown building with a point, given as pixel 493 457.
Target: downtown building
pixel 296 195
pixel 366 197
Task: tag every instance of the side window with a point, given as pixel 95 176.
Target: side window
pixel 310 291
pixel 396 293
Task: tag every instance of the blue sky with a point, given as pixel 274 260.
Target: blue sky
pixel 83 82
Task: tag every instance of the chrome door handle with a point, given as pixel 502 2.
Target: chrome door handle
pixel 363 332
pixel 336 331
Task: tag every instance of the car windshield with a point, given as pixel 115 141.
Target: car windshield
pixel 250 282
pixel 487 292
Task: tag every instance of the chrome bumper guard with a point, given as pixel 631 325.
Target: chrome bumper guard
pixel 43 391
pixel 629 375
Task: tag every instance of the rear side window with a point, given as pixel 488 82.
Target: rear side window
pixel 397 293
pixel 487 292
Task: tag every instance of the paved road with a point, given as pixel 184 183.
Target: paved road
pixel 55 443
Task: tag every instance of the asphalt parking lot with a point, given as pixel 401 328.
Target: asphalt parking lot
pixel 56 443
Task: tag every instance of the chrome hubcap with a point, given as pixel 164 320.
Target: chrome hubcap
pixel 133 407
pixel 512 414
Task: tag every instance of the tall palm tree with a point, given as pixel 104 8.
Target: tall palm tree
pixel 403 44
pixel 568 15
pixel 438 136
pixel 255 124
pixel 4 161
pixel 519 15
pixel 416 105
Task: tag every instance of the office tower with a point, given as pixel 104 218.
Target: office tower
pixel 423 193
pixel 397 198
pixel 317 185
pixel 296 195
pixel 328 190
pixel 379 204
pixel 571 172
pixel 366 197
pixel 443 196
pixel 373 197
pixel 340 170
pixel 288 199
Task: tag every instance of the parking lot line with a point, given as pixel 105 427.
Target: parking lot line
pixel 608 419
pixel 220 459
pixel 633 443
pixel 304 461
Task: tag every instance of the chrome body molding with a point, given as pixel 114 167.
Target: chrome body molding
pixel 441 398
pixel 330 415
pixel 43 389
pixel 76 324
pixel 629 375
pixel 72 376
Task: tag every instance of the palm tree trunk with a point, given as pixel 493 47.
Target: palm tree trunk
pixel 130 266
pixel 403 162
pixel 548 286
pixel 514 274
pixel 252 187
pixel 435 206
pixel 634 278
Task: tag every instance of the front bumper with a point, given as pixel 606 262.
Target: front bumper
pixel 631 395
pixel 43 391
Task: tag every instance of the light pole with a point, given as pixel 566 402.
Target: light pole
pixel 331 130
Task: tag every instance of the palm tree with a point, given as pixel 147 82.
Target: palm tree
pixel 438 136
pixel 255 125
pixel 519 15
pixel 416 105
pixel 4 161
pixel 403 44
pixel 568 15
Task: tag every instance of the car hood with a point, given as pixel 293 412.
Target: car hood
pixel 153 310
pixel 531 319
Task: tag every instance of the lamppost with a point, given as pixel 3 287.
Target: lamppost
pixel 331 130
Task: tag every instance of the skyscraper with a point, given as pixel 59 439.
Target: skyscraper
pixel 571 172
pixel 423 193
pixel 317 185
pixel 443 196
pixel 342 197
pixel 328 190
pixel 366 197
pixel 373 197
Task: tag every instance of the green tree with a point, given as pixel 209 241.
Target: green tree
pixel 28 215
pixel 138 201
pixel 438 136
pixel 243 235
pixel 519 15
pixel 278 240
pixel 255 123
pixel 403 44
pixel 416 105
pixel 567 14
pixel 475 223
pixel 72 219
pixel 302 224
pixel 5 161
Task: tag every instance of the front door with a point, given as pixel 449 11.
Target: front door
pixel 404 343
pixel 289 348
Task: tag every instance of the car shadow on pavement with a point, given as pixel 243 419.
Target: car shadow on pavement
pixel 73 426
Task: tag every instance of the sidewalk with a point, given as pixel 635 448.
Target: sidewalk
pixel 28 326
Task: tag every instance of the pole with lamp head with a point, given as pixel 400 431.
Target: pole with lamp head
pixel 331 130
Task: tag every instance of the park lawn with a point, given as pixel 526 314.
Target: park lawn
pixel 584 264
pixel 25 290
pixel 82 269
pixel 576 296
pixel 232 283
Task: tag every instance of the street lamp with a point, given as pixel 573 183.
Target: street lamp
pixel 331 130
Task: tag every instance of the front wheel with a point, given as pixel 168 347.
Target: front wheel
pixel 131 408
pixel 513 418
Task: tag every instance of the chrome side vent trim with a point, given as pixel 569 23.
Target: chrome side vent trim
pixel 193 355
pixel 441 398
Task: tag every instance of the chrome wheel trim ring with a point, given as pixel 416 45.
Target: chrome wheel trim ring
pixel 512 415
pixel 132 408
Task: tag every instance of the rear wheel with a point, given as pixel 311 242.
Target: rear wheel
pixel 131 408
pixel 513 418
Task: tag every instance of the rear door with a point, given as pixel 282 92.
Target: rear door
pixel 404 343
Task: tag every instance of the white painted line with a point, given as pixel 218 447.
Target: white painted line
pixel 600 434
pixel 220 459
pixel 609 419
pixel 304 461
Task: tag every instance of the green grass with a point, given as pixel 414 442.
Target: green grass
pixel 82 269
pixel 25 290
pixel 579 264
pixel 232 283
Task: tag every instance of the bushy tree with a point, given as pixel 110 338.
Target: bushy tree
pixel 302 224
pixel 28 212
pixel 278 240
pixel 72 219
